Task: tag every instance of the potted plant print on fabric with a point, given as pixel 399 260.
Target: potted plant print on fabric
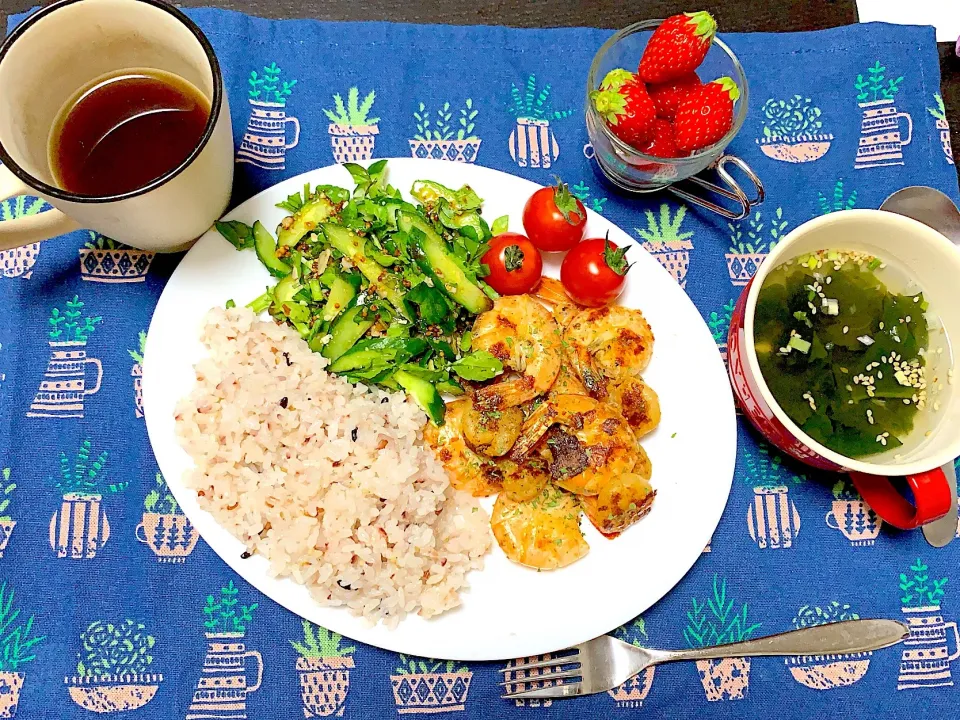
pixel 719 324
pixel 324 666
pixel 926 656
pixel 532 142
pixel 19 261
pixel 852 516
pixel 881 138
pixel 713 622
pixel 79 526
pixel 441 139
pixel 7 523
pixel 939 112
pixel 662 239
pixel 107 261
pixel 265 141
pixel 792 131
pixel 225 683
pixel 164 527
pixel 136 372
pixel 583 193
pixel 838 201
pixel 632 693
pixel 16 650
pixel 430 686
pixel 352 130
pixel 746 255
pixel 64 388
pixel 825 672
pixel 772 518
pixel 112 668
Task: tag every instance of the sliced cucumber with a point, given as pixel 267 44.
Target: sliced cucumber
pixel 438 262
pixel 341 293
pixel 266 248
pixel 347 330
pixel 286 289
pixel 383 282
pixel 423 393
pixel 305 220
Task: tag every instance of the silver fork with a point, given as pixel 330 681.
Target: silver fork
pixel 605 663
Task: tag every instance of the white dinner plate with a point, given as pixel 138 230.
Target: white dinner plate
pixel 509 611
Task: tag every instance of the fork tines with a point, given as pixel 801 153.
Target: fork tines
pixel 546 684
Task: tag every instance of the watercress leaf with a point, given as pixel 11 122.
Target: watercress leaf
pixel 359 174
pixel 238 234
pixel 477 366
pixel 429 306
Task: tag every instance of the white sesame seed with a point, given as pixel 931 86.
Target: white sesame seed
pixel 881 326
pixel 829 279
pixel 916 298
pixel 936 406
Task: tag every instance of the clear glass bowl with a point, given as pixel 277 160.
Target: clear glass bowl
pixel 626 166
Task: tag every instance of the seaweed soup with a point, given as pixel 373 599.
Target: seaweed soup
pixel 852 352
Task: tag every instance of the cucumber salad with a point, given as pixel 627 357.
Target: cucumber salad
pixel 385 289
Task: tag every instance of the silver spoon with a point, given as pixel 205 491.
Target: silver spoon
pixel 936 210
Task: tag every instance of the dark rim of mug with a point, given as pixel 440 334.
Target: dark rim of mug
pixel 215 104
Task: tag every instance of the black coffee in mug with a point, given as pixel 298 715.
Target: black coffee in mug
pixel 124 130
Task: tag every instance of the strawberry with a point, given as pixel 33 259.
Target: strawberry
pixel 666 96
pixel 677 47
pixel 663 143
pixel 622 101
pixel 705 115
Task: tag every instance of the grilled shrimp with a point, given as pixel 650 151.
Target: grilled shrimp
pixel 594 442
pixel 522 334
pixel 567 383
pixel 468 471
pixel 491 432
pixel 622 500
pixel 638 403
pixel 524 481
pixel 552 293
pixel 543 532
pixel 608 343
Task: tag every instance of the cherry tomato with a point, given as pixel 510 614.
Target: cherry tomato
pixel 593 272
pixel 554 219
pixel 515 264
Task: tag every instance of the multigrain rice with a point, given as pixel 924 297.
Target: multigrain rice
pixel 329 481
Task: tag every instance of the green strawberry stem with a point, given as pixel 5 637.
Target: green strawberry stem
pixel 705 27
pixel 730 87
pixel 609 104
pixel 616 79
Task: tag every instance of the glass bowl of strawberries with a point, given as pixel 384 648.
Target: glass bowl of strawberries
pixel 664 99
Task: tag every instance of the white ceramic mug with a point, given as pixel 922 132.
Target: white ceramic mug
pixel 65 46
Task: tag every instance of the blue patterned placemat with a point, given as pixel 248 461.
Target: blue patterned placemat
pixel 115 595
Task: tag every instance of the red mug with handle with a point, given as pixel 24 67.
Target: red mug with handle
pixel 934 263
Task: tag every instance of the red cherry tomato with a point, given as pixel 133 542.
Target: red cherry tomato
pixel 554 219
pixel 593 273
pixel 515 264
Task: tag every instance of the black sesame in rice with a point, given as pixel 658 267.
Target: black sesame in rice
pixel 286 356
pixel 353 434
pixel 283 403
pixel 246 554
pixel 383 400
